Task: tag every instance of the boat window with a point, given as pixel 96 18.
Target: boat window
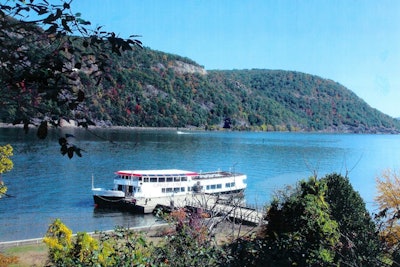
pixel 169 179
pixel 228 185
pixel 213 186
pixel 207 187
pixel 219 186
pixel 184 179
pixel 189 188
pixel 146 180
pixel 182 189
pixel 161 179
pixel 140 178
pixel 177 179
pixel 233 184
pixel 163 190
pixel 169 190
pixel 153 180
pixel 176 189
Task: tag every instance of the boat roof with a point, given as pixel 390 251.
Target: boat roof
pixel 166 172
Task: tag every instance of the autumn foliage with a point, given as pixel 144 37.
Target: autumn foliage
pixel 388 199
pixel 6 165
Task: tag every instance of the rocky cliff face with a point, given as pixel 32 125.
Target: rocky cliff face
pixel 182 68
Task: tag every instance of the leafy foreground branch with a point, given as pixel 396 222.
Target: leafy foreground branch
pixel 51 59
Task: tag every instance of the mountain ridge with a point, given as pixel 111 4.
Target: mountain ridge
pixel 256 99
pixel 149 88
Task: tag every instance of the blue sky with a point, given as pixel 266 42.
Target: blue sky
pixel 353 42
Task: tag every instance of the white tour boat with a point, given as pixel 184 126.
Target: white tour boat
pixel 134 188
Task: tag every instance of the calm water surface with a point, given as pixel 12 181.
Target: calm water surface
pixel 46 185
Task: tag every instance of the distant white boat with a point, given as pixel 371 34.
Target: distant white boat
pixel 180 132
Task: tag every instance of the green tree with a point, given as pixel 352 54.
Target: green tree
pixel 360 243
pixel 248 251
pixel 85 249
pixel 6 165
pixel 300 230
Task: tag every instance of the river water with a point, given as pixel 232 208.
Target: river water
pixel 46 185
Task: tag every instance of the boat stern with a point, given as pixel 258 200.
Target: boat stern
pixel 107 193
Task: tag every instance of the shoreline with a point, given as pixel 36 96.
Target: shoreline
pixel 10 125
pixel 150 231
pixel 39 240
pixel 72 125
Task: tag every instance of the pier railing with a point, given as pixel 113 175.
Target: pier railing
pixel 235 211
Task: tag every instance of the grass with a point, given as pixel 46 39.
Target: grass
pixel 29 255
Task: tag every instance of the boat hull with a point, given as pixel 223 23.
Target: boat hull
pixel 116 203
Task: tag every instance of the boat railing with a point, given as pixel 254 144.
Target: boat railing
pixel 216 174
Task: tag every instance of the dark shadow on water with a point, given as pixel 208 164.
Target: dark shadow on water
pixel 124 218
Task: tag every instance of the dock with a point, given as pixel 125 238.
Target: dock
pixel 215 206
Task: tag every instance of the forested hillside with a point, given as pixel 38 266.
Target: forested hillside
pixel 148 88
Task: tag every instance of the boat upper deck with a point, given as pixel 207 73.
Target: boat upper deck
pixel 156 173
pixel 216 174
